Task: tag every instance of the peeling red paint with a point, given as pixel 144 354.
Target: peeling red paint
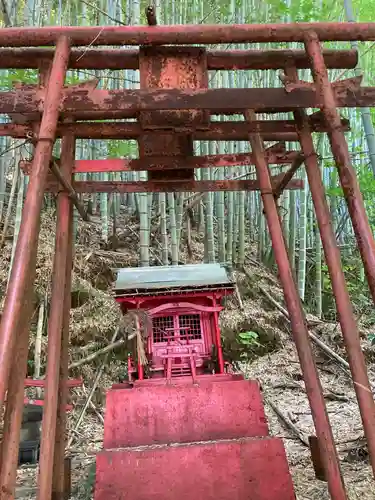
pixel 107 104
pixel 171 163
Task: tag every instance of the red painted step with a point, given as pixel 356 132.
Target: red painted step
pixel 184 413
pixel 201 379
pixel 250 469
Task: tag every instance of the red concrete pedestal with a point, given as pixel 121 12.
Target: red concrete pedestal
pixel 184 413
pixel 254 469
pixel 181 441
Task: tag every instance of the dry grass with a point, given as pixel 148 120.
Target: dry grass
pixel 94 321
pixel 280 376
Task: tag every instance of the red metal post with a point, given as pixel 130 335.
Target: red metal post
pixel 220 356
pixel 24 259
pixel 65 213
pixel 185 34
pixel 298 324
pixel 14 412
pixel 57 321
pixel 347 174
pixel 139 338
pixel 348 323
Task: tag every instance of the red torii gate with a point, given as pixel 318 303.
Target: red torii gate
pixel 169 118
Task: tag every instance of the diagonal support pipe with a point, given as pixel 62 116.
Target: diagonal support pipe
pixel 67 185
pixel 288 176
pixel 347 320
pixel 347 174
pixel 25 257
pixel 298 324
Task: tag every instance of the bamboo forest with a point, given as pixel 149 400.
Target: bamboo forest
pixel 117 230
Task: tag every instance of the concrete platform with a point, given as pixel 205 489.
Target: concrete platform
pixel 250 469
pixel 183 413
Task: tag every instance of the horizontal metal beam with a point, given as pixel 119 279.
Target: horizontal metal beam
pixel 171 163
pixel 118 59
pixel 185 34
pixel 31 382
pixel 224 131
pixel 271 130
pixel 170 186
pixel 106 104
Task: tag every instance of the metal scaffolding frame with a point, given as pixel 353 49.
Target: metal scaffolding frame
pixel 169 119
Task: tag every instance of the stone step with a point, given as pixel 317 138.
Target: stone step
pixel 255 469
pixel 201 379
pixel 183 413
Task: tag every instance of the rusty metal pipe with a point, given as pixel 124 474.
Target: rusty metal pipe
pixel 14 410
pixel 298 324
pixel 24 258
pixel 347 320
pixel 217 131
pixel 364 238
pixel 68 187
pixel 118 59
pixel 171 186
pixel 347 174
pixel 185 34
pixel 160 163
pixel 288 176
pixel 102 104
pixel 270 130
pixel 66 210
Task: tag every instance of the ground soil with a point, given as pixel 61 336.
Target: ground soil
pixel 274 363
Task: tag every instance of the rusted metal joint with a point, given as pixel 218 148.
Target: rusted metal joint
pixel 266 192
pixel 46 139
pixel 311 36
pixel 69 189
pixel 31 136
pixel 287 177
pixel 290 84
pixel 349 84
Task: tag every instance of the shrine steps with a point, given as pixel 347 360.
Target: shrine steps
pixel 177 441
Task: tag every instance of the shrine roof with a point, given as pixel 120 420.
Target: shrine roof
pixel 157 278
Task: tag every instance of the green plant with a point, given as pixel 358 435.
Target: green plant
pixel 248 338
